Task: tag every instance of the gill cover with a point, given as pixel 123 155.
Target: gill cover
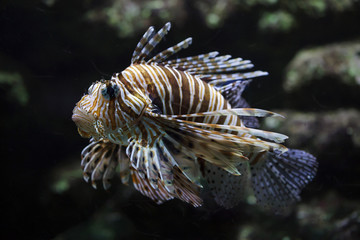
pixel 110 108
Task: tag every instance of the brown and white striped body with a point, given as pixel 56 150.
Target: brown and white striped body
pixel 169 123
pixel 176 92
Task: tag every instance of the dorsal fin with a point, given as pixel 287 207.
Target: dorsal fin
pixel 233 94
pixel 145 38
pixel 211 68
pixel 151 43
pixel 160 57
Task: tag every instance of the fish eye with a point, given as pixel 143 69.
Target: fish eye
pixel 110 91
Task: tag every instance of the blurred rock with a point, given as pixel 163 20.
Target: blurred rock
pixel 13 86
pixel 333 138
pixel 65 176
pixel 105 224
pixel 320 7
pixel 214 11
pixel 340 62
pixel 329 217
pixel 318 131
pixel 326 217
pixel 279 21
pixel 129 16
pixel 348 228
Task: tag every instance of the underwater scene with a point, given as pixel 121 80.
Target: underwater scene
pixel 180 119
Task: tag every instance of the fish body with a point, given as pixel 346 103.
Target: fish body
pixel 168 124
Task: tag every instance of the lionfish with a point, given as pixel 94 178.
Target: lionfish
pixel 177 125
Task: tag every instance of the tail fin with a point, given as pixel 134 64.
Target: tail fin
pixel 278 179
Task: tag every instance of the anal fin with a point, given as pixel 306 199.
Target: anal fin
pixel 228 189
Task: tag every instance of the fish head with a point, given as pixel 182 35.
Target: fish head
pixel 108 110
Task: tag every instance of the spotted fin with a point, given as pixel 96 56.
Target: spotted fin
pixel 228 189
pixel 278 179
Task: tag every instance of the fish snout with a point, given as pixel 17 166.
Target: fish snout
pixel 84 121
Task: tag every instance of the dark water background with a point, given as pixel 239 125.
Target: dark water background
pixel 51 51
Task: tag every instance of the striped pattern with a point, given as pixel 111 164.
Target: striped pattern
pixel 167 123
pixel 99 161
pixel 166 87
pixel 171 51
pixel 148 42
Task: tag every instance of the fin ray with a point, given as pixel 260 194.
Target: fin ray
pixel 99 162
pixel 145 38
pixel 278 179
pixel 277 137
pixel 160 57
pixel 252 112
pixel 152 43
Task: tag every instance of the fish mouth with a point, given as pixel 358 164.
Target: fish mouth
pixel 84 121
